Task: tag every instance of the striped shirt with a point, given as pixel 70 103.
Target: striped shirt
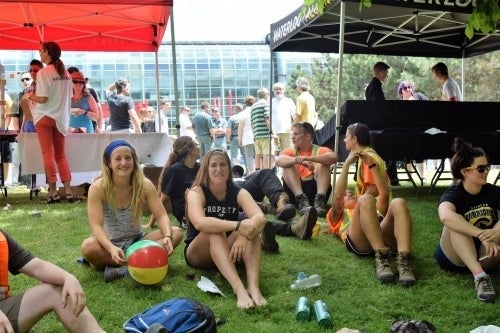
pixel 260 111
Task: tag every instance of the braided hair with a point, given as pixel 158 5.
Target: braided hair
pixel 181 147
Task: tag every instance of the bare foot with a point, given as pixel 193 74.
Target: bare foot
pixel 243 300
pixel 257 297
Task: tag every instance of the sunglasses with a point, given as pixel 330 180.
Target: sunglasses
pixel 25 79
pixel 480 168
pixel 407 88
pixel 78 82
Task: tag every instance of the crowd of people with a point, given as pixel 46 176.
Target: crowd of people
pixel 221 206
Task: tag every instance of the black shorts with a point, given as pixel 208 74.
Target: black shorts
pixel 6 152
pixel 350 247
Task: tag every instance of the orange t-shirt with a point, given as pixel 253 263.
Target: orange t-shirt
pixel 304 172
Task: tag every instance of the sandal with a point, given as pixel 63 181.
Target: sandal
pixel 71 198
pixel 52 199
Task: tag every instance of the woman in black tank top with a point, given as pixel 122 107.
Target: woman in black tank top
pixel 215 238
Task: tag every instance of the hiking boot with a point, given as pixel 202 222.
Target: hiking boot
pixel 114 273
pixel 320 204
pixel 484 289
pixel 285 211
pixel 268 239
pixel 406 277
pixel 302 203
pixel 383 266
pixel 304 226
pixel 266 207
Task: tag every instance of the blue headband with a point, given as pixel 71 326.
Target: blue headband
pixel 115 144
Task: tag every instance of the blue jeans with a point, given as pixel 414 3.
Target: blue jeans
pixel 235 147
pixel 206 144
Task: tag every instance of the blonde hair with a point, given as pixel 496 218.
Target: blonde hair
pixel 136 181
pixel 202 178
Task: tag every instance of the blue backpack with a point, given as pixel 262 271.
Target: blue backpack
pixel 177 315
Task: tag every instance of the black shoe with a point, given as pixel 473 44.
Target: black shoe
pixel 114 273
pixel 304 226
pixel 268 239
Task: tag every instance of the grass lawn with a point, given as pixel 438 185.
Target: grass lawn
pixel 350 288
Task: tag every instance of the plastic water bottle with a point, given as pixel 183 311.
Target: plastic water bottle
pixel 306 283
pixel 323 317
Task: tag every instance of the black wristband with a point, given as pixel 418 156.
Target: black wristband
pixel 237 226
pixel 372 166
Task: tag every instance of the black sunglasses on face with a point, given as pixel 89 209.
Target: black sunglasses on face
pixel 480 168
pixel 25 79
pixel 79 82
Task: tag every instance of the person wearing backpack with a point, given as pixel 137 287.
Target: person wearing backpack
pixel 215 238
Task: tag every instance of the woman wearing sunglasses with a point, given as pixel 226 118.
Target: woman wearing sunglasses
pixel 83 105
pixel 469 212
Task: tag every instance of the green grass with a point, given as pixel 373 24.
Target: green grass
pixel 350 289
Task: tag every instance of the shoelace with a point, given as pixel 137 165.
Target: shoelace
pixel 405 265
pixel 485 285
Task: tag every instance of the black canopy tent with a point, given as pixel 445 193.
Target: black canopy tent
pixel 389 27
pixel 431 28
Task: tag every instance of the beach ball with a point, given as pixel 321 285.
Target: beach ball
pixel 147 262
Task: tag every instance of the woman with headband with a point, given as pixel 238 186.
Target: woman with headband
pixel 115 203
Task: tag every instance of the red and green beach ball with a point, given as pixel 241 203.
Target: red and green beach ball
pixel 147 262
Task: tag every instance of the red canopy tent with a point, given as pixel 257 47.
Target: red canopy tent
pixel 84 25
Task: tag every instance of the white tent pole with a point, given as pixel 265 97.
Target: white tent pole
pixel 270 111
pixel 158 90
pixel 339 86
pixel 174 64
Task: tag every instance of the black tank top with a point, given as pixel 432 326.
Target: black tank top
pixel 226 209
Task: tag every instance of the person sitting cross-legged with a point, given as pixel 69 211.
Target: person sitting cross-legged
pixel 306 170
pixel 367 221
pixel 114 207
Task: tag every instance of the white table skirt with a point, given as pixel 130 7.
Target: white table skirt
pixel 84 151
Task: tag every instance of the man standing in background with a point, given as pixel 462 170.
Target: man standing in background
pixel 306 104
pixel 219 130
pixel 186 127
pixel 373 92
pixel 202 125
pixel 283 112
pixel 260 127
pixel 451 89
pixel 232 135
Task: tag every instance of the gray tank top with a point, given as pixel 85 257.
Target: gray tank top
pixel 120 227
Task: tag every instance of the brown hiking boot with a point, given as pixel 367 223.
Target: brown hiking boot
pixel 383 266
pixel 406 277
pixel 302 202
pixel 266 207
pixel 285 211
pixel 320 204
pixel 304 226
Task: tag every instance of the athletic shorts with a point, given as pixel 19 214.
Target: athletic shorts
pixel 10 307
pixel 445 263
pixel 350 247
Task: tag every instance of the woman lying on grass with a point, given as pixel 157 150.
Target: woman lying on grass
pixel 114 208
pixel 469 212
pixel 215 237
pixel 368 221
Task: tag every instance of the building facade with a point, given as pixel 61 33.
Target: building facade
pixel 221 73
